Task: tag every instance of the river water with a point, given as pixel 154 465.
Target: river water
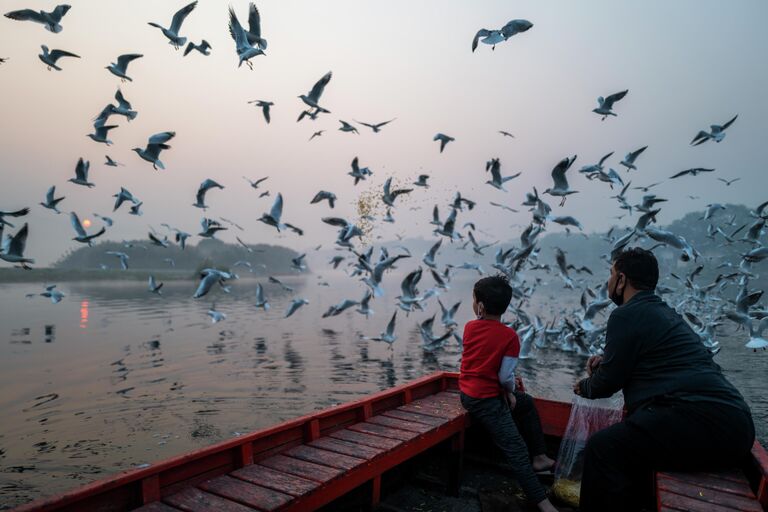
pixel 114 377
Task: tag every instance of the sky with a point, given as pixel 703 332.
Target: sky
pixel 686 64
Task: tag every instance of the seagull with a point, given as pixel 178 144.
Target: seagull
pixel 430 341
pixel 429 256
pixel 51 20
pixel 245 49
pixel 728 182
pixel 648 187
pixel 595 168
pixel 561 183
pixel 629 160
pixel 389 195
pixel 255 184
pixel 444 139
pixel 216 316
pixel 204 48
pixel 82 236
pixel 265 105
pixel 316 134
pixel 312 98
pixel 52 293
pixel 604 105
pixel 422 181
pixel 506 134
pixel 254 28
pixel 209 228
pixel 312 114
pixel 122 196
pixel 364 307
pixel 111 163
pixel 359 173
pixel 324 195
pixel 673 240
pixel 50 201
pixel 12 247
pixel 172 32
pixel 447 314
pixel 447 228
pixel 122 256
pixel 100 133
pixel 562 265
pixel 81 174
pixel 376 127
pixel 154 286
pixel 567 221
pixel 503 207
pixel 135 209
pixel 208 278
pixel 283 286
pixel 497 181
pixel 337 309
pixel 297 263
pixel 204 188
pixel 121 68
pixel 106 220
pixel 261 302
pixel 717 133
pixel 493 37
pixel 346 127
pixel 388 336
pixel 295 305
pixel 157 241
pixel 273 218
pixel 693 172
pixel 50 58
pixel 155 145
pixel 123 107
pixel 711 210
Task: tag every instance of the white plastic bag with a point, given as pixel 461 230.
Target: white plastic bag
pixel 587 417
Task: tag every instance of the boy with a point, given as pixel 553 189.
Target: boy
pixel 487 385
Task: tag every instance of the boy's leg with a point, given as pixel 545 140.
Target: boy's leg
pixel 493 415
pixel 528 423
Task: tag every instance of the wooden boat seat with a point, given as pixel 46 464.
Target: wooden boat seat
pixel 314 473
pixel 716 492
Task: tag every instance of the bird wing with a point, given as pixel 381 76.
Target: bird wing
pixel 59 11
pixel 49 194
pixel 480 33
pixel 319 87
pixel 236 31
pixel 633 155
pixel 606 157
pixel 81 170
pixel 277 208
pixel 729 123
pixel 19 241
pixel 124 60
pixel 57 54
pixel 161 138
pixel 122 102
pixel 681 173
pixel 17 213
pixel 26 15
pixel 76 224
pixel 254 21
pixel 180 16
pixel 558 172
pixel 610 100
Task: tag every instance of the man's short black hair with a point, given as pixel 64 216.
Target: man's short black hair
pixel 494 292
pixel 640 267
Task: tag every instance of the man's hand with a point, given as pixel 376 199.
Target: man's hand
pixel 577 387
pixel 592 364
pixel 512 401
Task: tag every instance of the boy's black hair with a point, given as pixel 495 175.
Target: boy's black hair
pixel 640 267
pixel 494 292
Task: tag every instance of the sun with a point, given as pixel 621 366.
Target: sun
pixel 87 223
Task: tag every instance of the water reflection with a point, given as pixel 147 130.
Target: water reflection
pixel 50 334
pixel 84 314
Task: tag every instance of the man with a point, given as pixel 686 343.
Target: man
pixel 682 414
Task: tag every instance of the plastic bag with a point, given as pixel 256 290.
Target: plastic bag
pixel 587 417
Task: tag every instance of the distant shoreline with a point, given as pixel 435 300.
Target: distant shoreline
pixel 54 275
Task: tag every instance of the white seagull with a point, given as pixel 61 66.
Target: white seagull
pixel 51 202
pixel 265 106
pixel 120 68
pixel 388 336
pixel 716 133
pixel 204 188
pixel 50 58
pixel 493 37
pixel 561 183
pixel 12 247
pixel 155 145
pixel 376 127
pixel 605 105
pixel 295 305
pixel 204 48
pixel 154 286
pixel 497 180
pixel 245 49
pixel 81 174
pixel 51 20
pixel 444 139
pixel 111 163
pixel 312 98
pixel 100 133
pixel 629 160
pixel 82 236
pixel 172 32
pixel 261 302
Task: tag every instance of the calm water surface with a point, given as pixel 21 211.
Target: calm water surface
pixel 114 377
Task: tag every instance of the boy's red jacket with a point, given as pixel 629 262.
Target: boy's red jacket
pixel 486 343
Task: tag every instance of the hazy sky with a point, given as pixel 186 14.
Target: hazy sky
pixel 687 64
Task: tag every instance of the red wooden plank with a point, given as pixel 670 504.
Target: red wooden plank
pixel 732 475
pixel 277 480
pixel 710 482
pixel 302 468
pixel 736 502
pixel 429 410
pixel 156 506
pixel 246 493
pixel 408 426
pixel 192 499
pixel 680 502
pixel 416 418
pixel 324 457
pixel 365 439
pixel 380 430
pixel 347 448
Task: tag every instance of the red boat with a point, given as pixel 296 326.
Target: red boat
pixel 324 458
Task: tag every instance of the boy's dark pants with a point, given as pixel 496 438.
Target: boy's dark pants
pixel 667 435
pixel 510 432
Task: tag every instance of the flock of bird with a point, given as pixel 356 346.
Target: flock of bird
pixel 581 330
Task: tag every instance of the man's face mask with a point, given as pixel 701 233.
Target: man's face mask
pixel 616 294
